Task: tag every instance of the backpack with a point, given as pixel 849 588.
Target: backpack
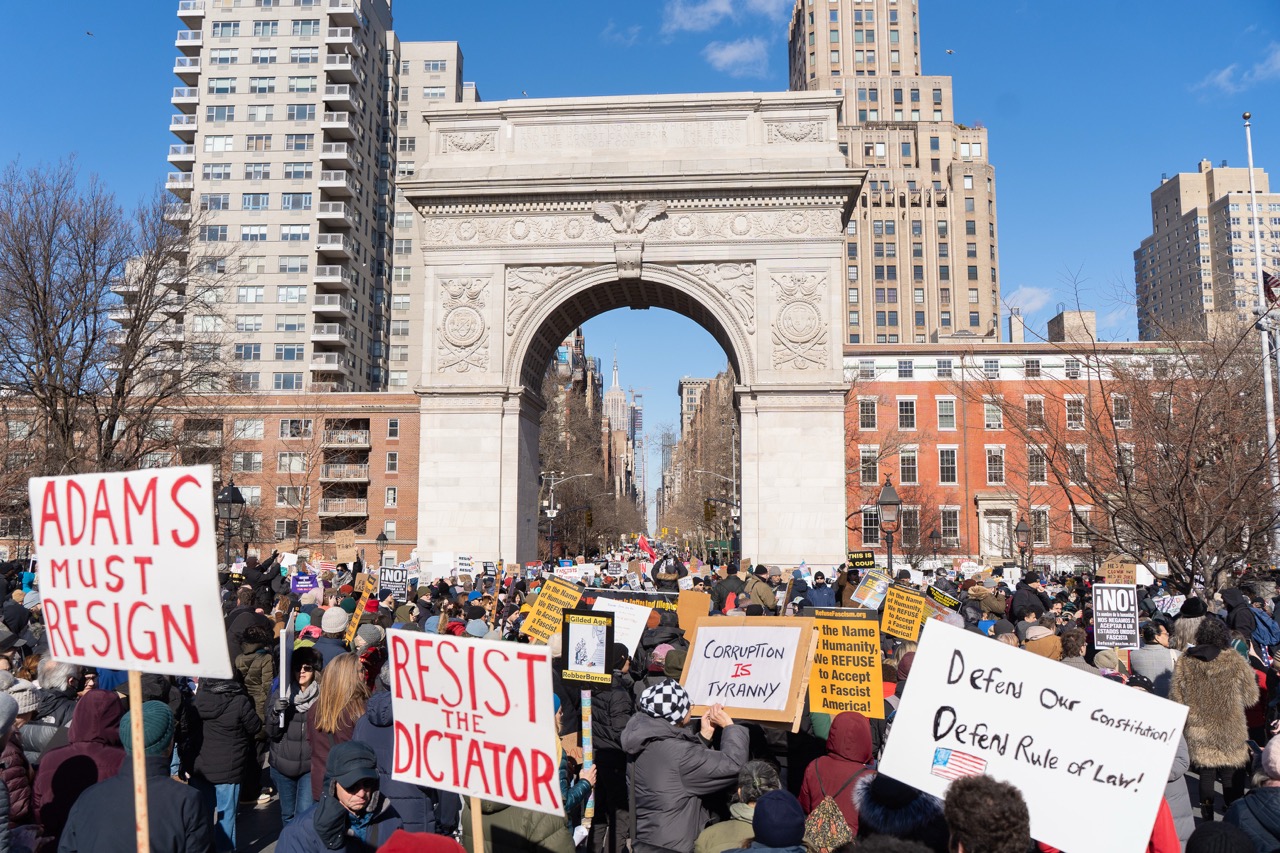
pixel 1266 632
pixel 825 828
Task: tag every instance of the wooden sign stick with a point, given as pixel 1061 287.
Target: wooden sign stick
pixel 137 741
pixel 477 826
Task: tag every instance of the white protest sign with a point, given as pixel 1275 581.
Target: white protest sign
pixel 629 620
pixel 747 666
pixel 1065 738
pixel 128 570
pixel 287 637
pixel 288 561
pixel 475 717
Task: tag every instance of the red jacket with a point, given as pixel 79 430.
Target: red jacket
pixel 848 755
pixel 1164 834
pixel 93 753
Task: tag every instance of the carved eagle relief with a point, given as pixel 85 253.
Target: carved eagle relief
pixel 630 217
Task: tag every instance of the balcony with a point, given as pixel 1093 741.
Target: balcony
pixel 337 182
pixel 346 438
pixel 180 183
pixel 170 333
pixel 340 37
pixel 337 152
pixel 345 472
pixel 339 95
pixel 334 274
pixel 344 12
pixel 202 437
pixel 335 213
pixel 177 212
pixel 331 333
pixel 184 126
pixel 191 10
pixel 335 244
pixel 189 41
pixel 333 303
pixel 331 362
pixel 182 154
pixel 341 68
pixel 184 97
pixel 338 125
pixel 344 506
pixel 188 68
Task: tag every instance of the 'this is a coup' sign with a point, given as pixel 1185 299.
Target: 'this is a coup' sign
pixel 128 570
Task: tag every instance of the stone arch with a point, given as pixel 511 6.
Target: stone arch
pixel 595 291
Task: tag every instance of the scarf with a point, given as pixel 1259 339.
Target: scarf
pixel 306 697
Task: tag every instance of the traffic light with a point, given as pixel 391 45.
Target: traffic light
pixel 589 519
pixel 708 512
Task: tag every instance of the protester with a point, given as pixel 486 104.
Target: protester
pixel 821 595
pixel 255 667
pixel 225 725
pixel 674 768
pixel 986 816
pixel 510 829
pixel 1258 812
pixel 1216 688
pixel 351 814
pixel 849 757
pixel 611 708
pixel 1155 659
pixel 1239 617
pixel 755 780
pixel 101 821
pixel 1075 643
pixel 289 751
pixel 333 627
pixel 1190 615
pixel 778 824
pixel 1220 838
pixel 93 754
pixel 332 720
pixel 60 686
pixel 889 807
pixel 759 591
pixel 724 594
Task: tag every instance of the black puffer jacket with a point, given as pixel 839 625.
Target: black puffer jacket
pixel 289 749
pixel 223 730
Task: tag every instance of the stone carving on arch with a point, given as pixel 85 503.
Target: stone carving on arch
pixel 525 284
pixel 464 330
pixel 799 322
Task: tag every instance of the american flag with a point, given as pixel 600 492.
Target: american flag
pixel 326 566
pixel 950 764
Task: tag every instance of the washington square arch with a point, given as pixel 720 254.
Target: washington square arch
pixel 536 216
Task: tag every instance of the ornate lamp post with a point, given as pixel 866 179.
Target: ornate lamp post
pixel 935 539
pixel 381 541
pixel 1022 533
pixel 888 503
pixel 229 504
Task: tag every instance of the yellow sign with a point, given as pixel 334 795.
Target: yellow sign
pixel 370 585
pixel 904 609
pixel 554 598
pixel 846 674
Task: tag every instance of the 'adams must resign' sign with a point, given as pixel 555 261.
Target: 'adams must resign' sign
pixel 128 570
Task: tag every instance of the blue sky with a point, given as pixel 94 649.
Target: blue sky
pixel 1086 105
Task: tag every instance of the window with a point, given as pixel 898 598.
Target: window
pixel 398 378
pixel 867 414
pixel 1075 412
pixel 906 368
pixel 251 294
pixel 400 302
pixel 300 112
pixel 869 465
pixel 870 526
pixel 402 247
pixel 248 429
pixel 1080 528
pixel 304 55
pixel 435 66
pixel 262 85
pixel 1031 368
pixel 291 323
pixel 294 496
pixel 309 27
pixel 303 84
pixel 944 368
pixel 257 171
pixel 1121 415
pixel 226 29
pixel 258 142
pixel 1077 463
pixel 992 416
pixel 222 56
pixel 295 201
pixel 289 352
pixel 946 414
pixel 1035 412
pixel 249 323
pixel 433 92
pixel 266 29
pixel 253 233
pixel 252 495
pixel 990 366
pixel 296 293
pixel 995 466
pixel 950 522
pixel 215 201
pixel 393 428
pixel 393 493
pixel 297 171
pixel 906 414
pixel 263 56
pixel 288 528
pixel 299 142
pixel 255 201
pixel 398 353
pixel 908 466
pixel 247 352
pixel 1072 366
pixel 948 470
pixel 295 233
pixel 1037 467
pixel 389 529
pixel 1039 526
pixel 399 328
pixel 286 381
pixel 213 233
pixel 393 462
pixel 246 462
pixel 220 113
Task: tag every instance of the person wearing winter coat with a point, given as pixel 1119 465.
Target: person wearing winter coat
pixel 60 685
pixel 889 807
pixel 332 720
pixel 351 814
pixel 674 768
pixel 756 779
pixel 821 595
pixel 992 602
pixel 1217 686
pixel 611 708
pixel 1155 659
pixel 510 829
pixel 778 824
pixel 101 821
pixel 333 624
pixel 1258 812
pixel 727 591
pixel 1239 616
pixel 986 816
pixel 14 767
pixel 849 756
pixel 289 753
pixel 220 749
pixel 1075 642
pixel 93 754
pixel 256 667
pixel 759 591
pixel 1028 595
pixel 420 809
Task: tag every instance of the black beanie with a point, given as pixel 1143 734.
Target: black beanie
pixel 1193 608
pixel 1219 837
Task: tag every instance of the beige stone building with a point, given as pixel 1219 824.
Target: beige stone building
pixel 1197 268
pixel 922 244
pixel 292 124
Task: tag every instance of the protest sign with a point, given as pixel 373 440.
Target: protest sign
pixel 614 568
pixel 394 581
pixel 287 560
pixel 490 569
pixel 588 645
pixel 287 636
pixel 1067 739
pixel 1121 572
pixel 904 608
pixel 303 582
pixel 475 717
pixel 365 590
pixel 345 543
pixel 685 582
pixel 691 605
pixel 871 589
pixel 1115 616
pixel 1170 603
pixel 128 570
pixel 644 598
pixel 862 560
pixel 629 620
pixel 462 563
pixel 756 666
pixel 633 580
pixel 846 675
pixel 942 599
pixel 555 597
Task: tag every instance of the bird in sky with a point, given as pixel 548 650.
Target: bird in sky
pixel 950 52
pixel 86 32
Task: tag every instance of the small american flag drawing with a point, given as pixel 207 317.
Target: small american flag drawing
pixel 325 566
pixel 950 764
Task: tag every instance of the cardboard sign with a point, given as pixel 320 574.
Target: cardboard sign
pixel 555 597
pixel 475 717
pixel 629 620
pixel 756 666
pixel 846 674
pixel 394 581
pixel 861 560
pixel 129 570
pixel 904 608
pixel 1115 616
pixel 588 646
pixel 692 605
pixel 1065 738
pixel 1120 572
pixel 345 542
pixel 871 589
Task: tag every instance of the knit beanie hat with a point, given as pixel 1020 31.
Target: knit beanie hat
pixel 157 729
pixel 658 657
pixel 402 841
pixel 334 620
pixel 1270 763
pixel 666 701
pixel 477 628
pixel 778 820
pixel 1192 608
pixel 24 693
pixel 371 634
pixel 302 620
pixel 8 713
pixel 348 604
pixel 1219 838
pixel 1004 626
pixel 673 663
pixel 32 600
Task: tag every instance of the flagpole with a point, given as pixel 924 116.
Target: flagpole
pixel 1255 220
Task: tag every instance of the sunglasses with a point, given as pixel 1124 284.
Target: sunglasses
pixel 306 667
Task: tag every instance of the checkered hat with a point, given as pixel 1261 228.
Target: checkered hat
pixel 667 701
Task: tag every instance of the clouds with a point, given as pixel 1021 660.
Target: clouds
pixel 1029 299
pixel 701 15
pixel 1234 78
pixel 625 36
pixel 748 57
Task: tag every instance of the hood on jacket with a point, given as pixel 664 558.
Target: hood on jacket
pixel 378 709
pixel 890 807
pixel 97 719
pixel 1233 598
pixel 215 695
pixel 850 737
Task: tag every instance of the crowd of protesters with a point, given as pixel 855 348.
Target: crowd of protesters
pixel 316 742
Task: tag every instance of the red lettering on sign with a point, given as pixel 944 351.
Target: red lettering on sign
pixel 740 670
pixel 175 494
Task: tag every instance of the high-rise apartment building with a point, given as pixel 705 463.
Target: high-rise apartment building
pixel 690 390
pixel 1197 269
pixel 293 123
pixel 922 243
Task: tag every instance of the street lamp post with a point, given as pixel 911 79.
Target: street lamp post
pixel 1022 532
pixel 888 503
pixel 381 542
pixel 229 504
pixel 935 539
